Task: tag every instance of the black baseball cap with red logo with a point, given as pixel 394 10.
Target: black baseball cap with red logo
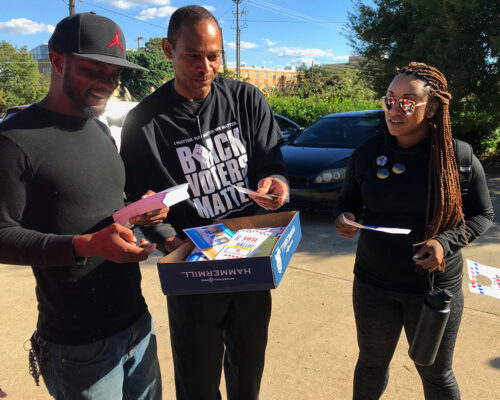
pixel 92 36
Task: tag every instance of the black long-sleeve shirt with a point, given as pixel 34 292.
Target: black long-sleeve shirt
pixel 230 138
pixel 400 201
pixel 61 177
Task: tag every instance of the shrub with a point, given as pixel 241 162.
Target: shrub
pixel 304 111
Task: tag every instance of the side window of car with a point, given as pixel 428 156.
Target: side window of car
pixel 286 127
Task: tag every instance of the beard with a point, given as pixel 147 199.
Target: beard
pixel 70 88
pixel 81 100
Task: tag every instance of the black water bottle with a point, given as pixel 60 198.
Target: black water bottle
pixel 430 327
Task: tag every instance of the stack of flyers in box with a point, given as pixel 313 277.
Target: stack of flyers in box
pixel 209 239
pixel 197 255
pixel 246 242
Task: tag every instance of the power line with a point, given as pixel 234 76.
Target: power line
pixel 295 22
pixel 287 12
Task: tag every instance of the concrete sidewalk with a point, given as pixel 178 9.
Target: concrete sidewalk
pixel 312 341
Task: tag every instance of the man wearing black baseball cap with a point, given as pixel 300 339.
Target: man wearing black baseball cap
pixel 61 181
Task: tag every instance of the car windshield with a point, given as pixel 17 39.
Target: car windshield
pixel 347 132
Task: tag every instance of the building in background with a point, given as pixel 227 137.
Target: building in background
pixel 41 56
pixel 265 78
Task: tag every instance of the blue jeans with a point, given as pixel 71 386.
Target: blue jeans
pixel 123 366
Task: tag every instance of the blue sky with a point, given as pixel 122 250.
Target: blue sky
pixel 276 33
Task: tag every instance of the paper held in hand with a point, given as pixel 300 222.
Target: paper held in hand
pixel 165 198
pixel 249 191
pixel 394 231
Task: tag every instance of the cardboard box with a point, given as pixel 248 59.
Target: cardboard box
pixel 178 276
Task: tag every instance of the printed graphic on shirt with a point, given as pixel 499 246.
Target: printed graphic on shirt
pixel 212 163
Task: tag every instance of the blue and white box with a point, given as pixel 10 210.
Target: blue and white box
pixel 178 276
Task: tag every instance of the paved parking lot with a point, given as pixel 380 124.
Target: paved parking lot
pixel 312 346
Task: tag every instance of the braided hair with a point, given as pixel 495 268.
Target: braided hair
pixel 443 171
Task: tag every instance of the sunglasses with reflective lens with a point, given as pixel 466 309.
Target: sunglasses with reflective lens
pixel 406 106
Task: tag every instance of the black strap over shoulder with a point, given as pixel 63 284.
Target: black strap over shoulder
pixel 463 155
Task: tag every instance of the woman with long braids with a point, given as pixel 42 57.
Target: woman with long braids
pixel 409 178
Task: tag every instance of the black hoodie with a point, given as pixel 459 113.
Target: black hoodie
pixel 400 200
pixel 229 138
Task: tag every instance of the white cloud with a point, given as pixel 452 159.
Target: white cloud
pixel 303 60
pixel 247 45
pixel 270 43
pixel 296 52
pixel 125 4
pixel 23 26
pixel 243 45
pixel 150 13
pixel 210 8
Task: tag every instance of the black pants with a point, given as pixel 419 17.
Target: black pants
pixel 206 330
pixel 380 315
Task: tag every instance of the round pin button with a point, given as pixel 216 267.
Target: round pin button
pixel 381 160
pixel 398 168
pixel 382 173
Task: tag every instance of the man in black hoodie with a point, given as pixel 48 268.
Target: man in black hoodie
pixel 212 133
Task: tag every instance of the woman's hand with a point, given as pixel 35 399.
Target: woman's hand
pixel 345 230
pixel 430 256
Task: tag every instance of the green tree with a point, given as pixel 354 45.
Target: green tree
pixel 153 46
pixel 227 73
pixel 326 82
pixel 459 37
pixel 20 81
pixel 321 90
pixel 140 83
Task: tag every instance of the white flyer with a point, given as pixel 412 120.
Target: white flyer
pixel 394 231
pixel 484 279
pixel 165 198
pixel 246 242
pixel 253 192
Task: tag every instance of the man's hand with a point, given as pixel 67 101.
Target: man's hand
pixel 430 256
pixel 345 230
pixel 272 186
pixel 150 218
pixel 115 243
pixel 173 242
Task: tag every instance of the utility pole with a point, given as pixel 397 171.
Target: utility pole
pixel 238 36
pixel 224 64
pixel 237 39
pixel 139 42
pixel 71 7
